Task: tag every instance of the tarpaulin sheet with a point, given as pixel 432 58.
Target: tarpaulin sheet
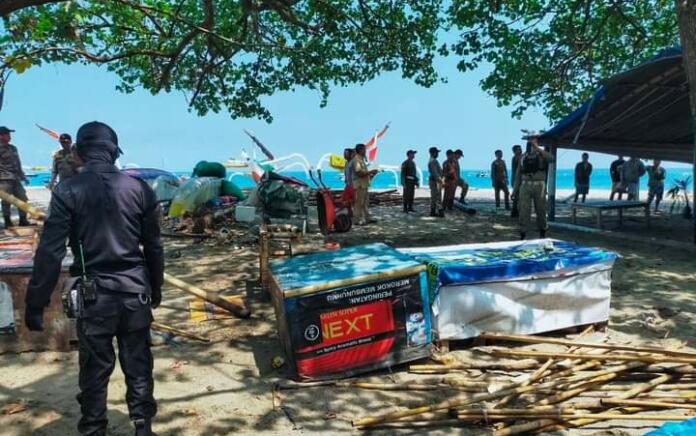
pixel 352 264
pixel 352 310
pixel 516 287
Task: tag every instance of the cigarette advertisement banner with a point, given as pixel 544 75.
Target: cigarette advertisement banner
pixel 338 332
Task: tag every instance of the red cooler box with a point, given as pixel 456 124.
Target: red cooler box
pixel 351 310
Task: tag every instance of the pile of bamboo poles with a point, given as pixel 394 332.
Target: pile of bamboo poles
pixel 549 391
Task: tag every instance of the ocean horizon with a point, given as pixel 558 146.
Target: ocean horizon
pixel 477 179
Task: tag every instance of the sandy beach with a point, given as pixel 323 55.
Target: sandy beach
pixel 227 386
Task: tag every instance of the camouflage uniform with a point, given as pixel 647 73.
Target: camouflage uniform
pixel 64 165
pixel 530 186
pixel 11 175
pixel 435 184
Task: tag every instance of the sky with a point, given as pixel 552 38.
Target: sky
pixel 159 131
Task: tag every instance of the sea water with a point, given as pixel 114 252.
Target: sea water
pixel 477 179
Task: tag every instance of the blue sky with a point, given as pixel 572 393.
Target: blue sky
pixel 159 131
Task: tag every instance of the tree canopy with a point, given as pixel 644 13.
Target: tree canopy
pixel 230 55
pixel 552 54
pixel 226 55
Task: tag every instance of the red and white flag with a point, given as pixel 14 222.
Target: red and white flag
pixel 49 132
pixel 371 144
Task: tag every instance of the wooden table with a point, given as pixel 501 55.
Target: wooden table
pixel 619 206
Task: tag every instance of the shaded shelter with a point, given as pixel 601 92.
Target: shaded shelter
pixel 642 112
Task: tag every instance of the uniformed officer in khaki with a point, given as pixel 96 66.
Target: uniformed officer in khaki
pixel 435 182
pixel 530 187
pixel 11 176
pixel 361 183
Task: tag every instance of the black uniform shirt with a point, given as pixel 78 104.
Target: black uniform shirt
pixel 112 215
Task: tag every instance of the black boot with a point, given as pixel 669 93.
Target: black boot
pixel 542 234
pixel 441 214
pixel 523 236
pixel 24 222
pixel 432 212
pixel 8 222
pixel 143 427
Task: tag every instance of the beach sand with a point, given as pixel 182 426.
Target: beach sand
pixel 226 387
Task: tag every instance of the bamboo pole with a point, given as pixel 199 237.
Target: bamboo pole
pixel 513 366
pixel 182 333
pixel 236 307
pixel 529 339
pixel 542 371
pixel 22 205
pixel 647 404
pixel 566 416
pixel 551 425
pixel 462 401
pixel 607 357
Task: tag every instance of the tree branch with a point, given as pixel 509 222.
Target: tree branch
pixel 9 6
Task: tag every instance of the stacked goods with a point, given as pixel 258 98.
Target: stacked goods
pixel 516 287
pixel 351 310
pixel 193 193
pixel 545 391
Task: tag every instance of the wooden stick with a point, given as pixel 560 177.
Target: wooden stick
pixel 546 423
pixel 235 307
pixel 646 404
pixel 566 416
pixel 182 333
pixel 542 371
pixel 461 401
pixel 22 205
pixel 520 365
pixel 607 357
pixel 529 339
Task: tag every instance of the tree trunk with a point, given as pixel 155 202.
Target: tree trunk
pixel 686 16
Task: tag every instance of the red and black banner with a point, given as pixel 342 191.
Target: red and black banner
pixel 338 332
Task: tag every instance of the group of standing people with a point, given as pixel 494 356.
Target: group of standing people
pixel 529 172
pixel 625 177
pixel 65 165
pixel 443 181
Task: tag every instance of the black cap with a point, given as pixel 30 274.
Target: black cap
pixel 459 152
pixel 96 133
pixel 4 129
pixel 65 136
pixel 449 152
pixel 411 152
pixel 434 149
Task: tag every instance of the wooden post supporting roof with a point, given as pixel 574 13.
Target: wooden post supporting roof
pixel 553 166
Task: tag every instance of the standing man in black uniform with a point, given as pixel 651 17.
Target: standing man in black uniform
pixel 409 180
pixel 106 216
pixel 11 177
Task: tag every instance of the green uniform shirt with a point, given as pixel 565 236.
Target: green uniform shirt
pixel 10 165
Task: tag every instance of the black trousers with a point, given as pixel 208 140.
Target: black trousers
pixel 127 318
pixel 409 194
